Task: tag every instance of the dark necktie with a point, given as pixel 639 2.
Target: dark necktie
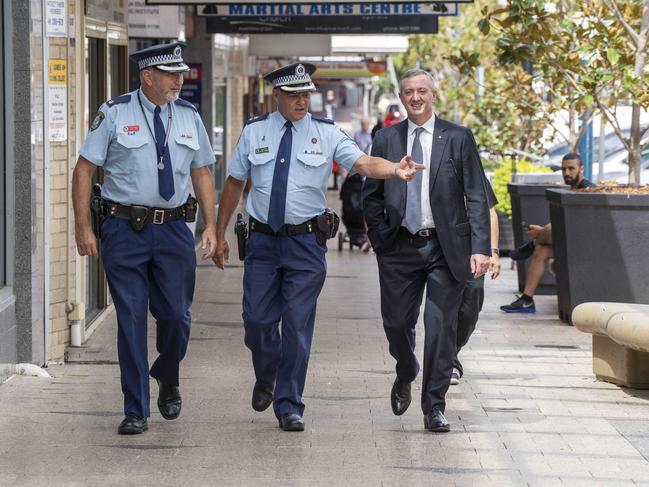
pixel 165 172
pixel 277 206
pixel 413 198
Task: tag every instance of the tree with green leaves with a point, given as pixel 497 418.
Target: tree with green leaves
pixel 591 55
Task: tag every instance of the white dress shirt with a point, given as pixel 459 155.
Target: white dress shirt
pixel 426 140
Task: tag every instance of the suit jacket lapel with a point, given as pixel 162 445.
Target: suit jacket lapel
pixel 437 150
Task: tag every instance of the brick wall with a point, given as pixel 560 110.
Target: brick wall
pixel 59 239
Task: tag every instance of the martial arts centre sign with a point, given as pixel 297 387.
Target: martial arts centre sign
pixel 329 18
pixel 299 2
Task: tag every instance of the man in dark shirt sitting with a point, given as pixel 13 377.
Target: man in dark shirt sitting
pixel 539 248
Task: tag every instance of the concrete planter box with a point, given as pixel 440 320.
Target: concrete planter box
pixel 600 247
pixel 506 234
pixel 529 207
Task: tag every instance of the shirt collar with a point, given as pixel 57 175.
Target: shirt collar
pixel 297 124
pixel 429 126
pixel 148 104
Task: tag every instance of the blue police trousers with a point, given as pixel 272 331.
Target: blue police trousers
pixel 283 277
pixel 155 269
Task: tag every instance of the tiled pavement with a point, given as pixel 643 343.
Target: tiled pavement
pixel 527 412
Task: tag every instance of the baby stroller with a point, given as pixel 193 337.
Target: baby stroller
pixel 352 209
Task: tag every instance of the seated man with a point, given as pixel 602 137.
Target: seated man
pixel 540 245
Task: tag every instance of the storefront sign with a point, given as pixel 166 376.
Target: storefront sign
pixel 192 86
pixel 156 22
pixel 57 87
pixel 334 24
pixel 56 21
pixel 327 9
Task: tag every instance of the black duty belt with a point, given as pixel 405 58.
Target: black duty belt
pixel 144 215
pixel 308 226
pixel 424 233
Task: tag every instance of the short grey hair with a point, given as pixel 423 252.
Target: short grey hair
pixel 411 73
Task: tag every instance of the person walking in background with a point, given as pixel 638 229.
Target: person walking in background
pixel 539 247
pixel 153 148
pixel 431 234
pixel 363 137
pixel 473 295
pixel 377 127
pixel 288 155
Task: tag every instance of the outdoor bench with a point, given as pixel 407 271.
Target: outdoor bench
pixel 620 341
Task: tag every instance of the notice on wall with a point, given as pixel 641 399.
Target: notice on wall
pixel 56 21
pixel 57 91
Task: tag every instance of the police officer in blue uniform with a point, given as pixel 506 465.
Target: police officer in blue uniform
pixel 153 148
pixel 288 155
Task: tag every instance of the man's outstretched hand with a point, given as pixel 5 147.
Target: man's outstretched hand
pixel 408 168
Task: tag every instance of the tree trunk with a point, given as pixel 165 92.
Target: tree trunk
pixel 635 150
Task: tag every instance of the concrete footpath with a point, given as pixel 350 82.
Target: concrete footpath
pixel 527 412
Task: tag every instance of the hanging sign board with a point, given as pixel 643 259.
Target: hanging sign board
pixel 325 9
pixel 300 2
pixel 334 24
pixel 161 22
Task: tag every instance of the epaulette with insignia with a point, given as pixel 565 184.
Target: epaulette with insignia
pixel 258 118
pixel 323 119
pixel 119 99
pixel 185 103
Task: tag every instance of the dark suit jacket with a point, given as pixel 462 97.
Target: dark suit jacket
pixel 458 196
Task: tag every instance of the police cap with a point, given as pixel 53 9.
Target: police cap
pixel 292 78
pixel 165 57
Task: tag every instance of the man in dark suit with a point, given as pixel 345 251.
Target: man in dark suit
pixel 431 233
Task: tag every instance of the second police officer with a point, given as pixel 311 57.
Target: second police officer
pixel 153 147
pixel 288 155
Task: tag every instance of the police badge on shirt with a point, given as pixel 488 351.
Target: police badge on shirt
pixel 97 121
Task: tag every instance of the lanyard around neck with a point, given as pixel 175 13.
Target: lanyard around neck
pixel 167 132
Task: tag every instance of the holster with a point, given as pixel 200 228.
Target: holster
pixel 96 210
pixel 190 209
pixel 241 230
pixel 326 226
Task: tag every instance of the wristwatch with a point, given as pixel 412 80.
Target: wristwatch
pixel 495 251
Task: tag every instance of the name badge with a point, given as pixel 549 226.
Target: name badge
pixel 262 150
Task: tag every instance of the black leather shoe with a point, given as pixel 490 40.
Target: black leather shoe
pixel 132 425
pixel 262 397
pixel 291 422
pixel 169 401
pixel 523 252
pixel 436 422
pixel 400 397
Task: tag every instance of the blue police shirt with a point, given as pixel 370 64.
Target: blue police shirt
pixel 316 143
pixel 121 141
